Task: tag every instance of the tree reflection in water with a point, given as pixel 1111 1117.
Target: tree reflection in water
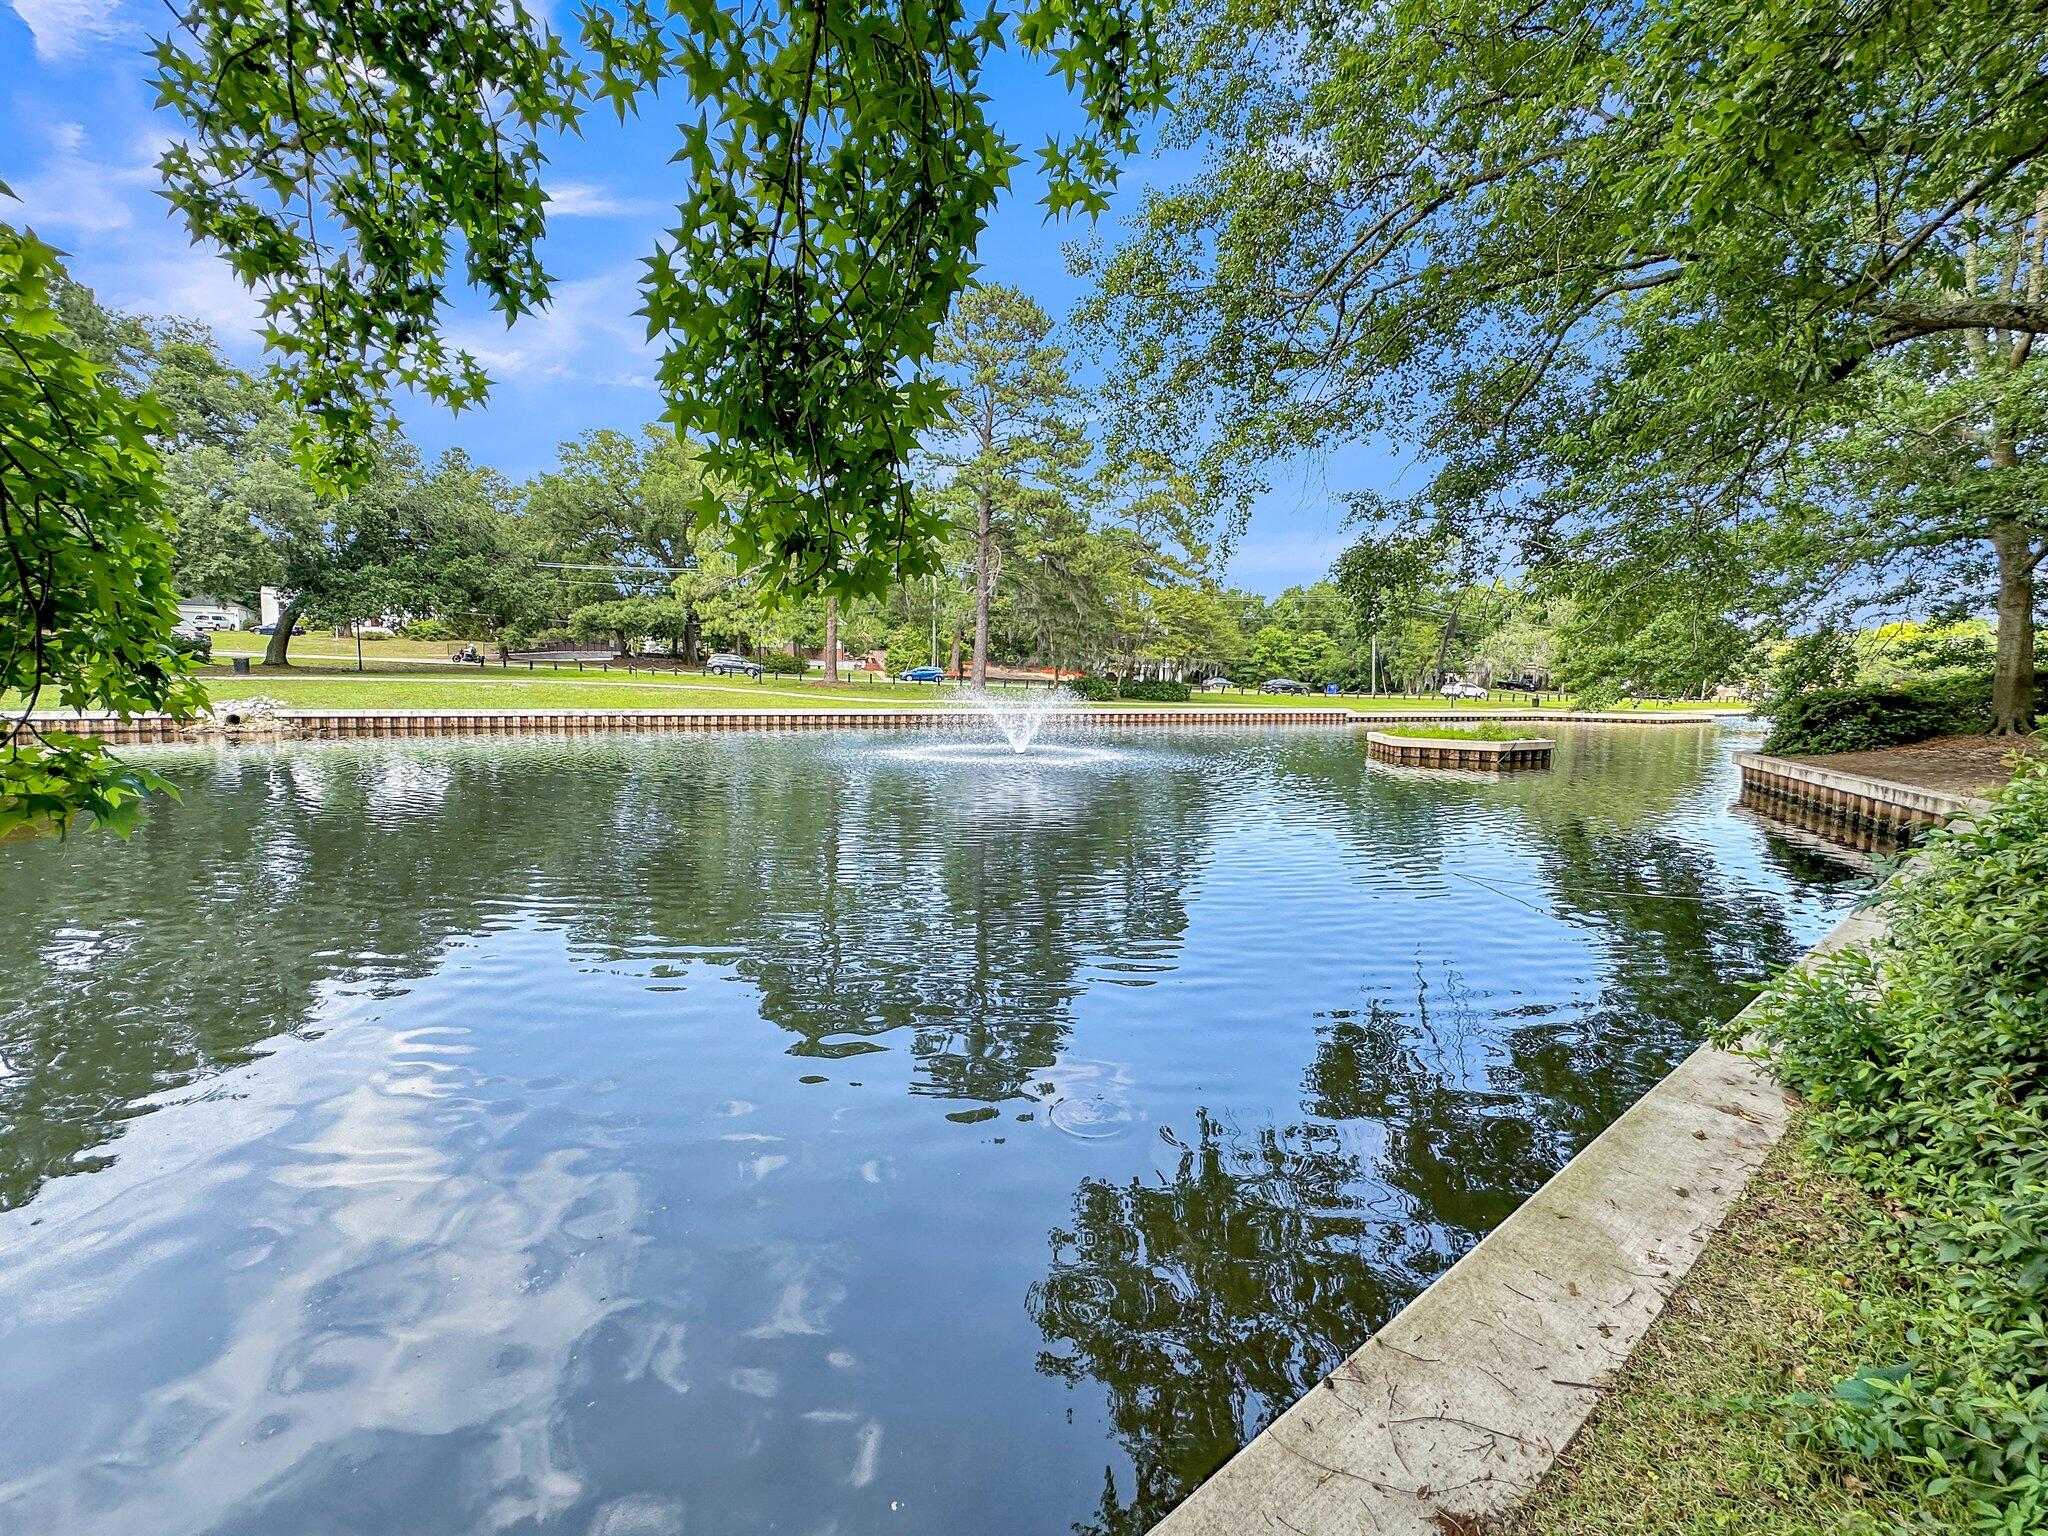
pixel 1206 1299
pixel 1399 1003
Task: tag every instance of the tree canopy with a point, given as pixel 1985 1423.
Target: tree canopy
pixel 86 604
pixel 1608 270
pixel 348 156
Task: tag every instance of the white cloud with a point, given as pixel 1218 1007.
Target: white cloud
pixel 74 191
pixel 121 239
pixel 588 200
pixel 588 334
pixel 64 29
pixel 173 278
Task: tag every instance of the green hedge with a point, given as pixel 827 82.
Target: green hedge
pixel 782 664
pixel 1925 1064
pixel 1862 719
pixel 1154 692
pixel 1101 690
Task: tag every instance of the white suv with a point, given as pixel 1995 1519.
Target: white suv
pixel 1458 689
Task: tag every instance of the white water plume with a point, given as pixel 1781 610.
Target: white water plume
pixel 1020 719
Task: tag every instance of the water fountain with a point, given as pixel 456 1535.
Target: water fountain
pixel 1020 721
pixel 1018 724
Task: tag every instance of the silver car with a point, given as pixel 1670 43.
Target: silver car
pixel 729 664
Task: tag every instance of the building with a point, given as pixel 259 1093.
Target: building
pixel 197 613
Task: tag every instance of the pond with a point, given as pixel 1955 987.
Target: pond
pixel 802 1133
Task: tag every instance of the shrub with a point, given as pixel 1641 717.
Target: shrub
pixel 1155 691
pixel 782 664
pixel 1822 660
pixel 520 638
pixel 1098 690
pixel 426 629
pixel 1862 719
pixel 1925 1063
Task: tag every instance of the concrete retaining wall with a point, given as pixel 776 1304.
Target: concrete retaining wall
pixel 1449 752
pixel 365 724
pixel 1544 716
pixel 360 724
pixel 1458 1406
pixel 1867 809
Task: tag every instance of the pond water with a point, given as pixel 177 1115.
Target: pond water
pixel 801 1133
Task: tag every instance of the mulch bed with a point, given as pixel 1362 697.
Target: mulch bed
pixel 1956 765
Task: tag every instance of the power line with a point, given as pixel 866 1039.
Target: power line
pixel 622 570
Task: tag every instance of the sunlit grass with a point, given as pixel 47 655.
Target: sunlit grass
pixel 1477 732
pixel 1687 1444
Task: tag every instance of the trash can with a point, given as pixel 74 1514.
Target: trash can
pixel 241 666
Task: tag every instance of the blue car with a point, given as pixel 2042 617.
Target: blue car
pixel 924 675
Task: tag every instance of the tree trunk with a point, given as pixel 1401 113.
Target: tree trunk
pixel 831 639
pixel 693 639
pixel 982 541
pixel 276 654
pixel 1443 644
pixel 2012 676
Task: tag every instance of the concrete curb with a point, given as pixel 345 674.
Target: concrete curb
pixel 363 724
pixel 359 724
pixel 1851 798
pixel 1543 716
pixel 1459 1405
pixel 1451 752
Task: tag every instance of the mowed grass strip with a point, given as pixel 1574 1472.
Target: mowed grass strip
pixel 1483 731
pixel 1789 1297
pixel 298 690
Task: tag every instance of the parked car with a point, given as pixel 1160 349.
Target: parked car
pixel 730 664
pixel 1217 685
pixel 924 675
pixel 1456 689
pixel 1282 685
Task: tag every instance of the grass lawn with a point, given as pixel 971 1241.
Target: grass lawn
pixel 324 685
pixel 418 687
pixel 1770 1309
pixel 474 688
pixel 416 674
pixel 389 682
pixel 1482 731
pixel 321 644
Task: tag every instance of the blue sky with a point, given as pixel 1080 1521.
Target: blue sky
pixel 78 139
